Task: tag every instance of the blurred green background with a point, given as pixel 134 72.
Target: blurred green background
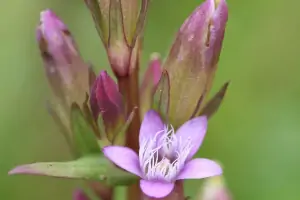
pixel 255 133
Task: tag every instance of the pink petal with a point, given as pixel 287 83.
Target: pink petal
pixel 193 130
pixel 200 168
pixel 156 189
pixel 151 125
pixel 123 157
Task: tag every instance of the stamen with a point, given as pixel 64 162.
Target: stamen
pixel 169 147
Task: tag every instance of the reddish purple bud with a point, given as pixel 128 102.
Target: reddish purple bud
pixel 66 71
pixel 106 100
pixel 80 195
pixel 149 83
pixel 193 58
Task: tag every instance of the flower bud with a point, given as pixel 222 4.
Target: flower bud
pixel 67 73
pixel 107 101
pixel 214 189
pixel 80 195
pixel 119 24
pixel 193 58
pixel 149 83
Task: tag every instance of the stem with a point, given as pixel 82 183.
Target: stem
pixel 129 87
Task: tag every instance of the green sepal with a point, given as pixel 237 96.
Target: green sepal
pixel 213 105
pixel 85 138
pixel 161 98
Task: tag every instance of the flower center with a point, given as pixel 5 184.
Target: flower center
pixel 163 156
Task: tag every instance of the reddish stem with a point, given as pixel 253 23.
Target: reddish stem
pixel 129 87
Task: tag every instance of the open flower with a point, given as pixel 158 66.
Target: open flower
pixel 164 156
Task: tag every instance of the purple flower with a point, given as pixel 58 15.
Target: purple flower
pixel 164 156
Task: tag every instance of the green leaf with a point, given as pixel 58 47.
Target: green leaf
pixel 84 136
pixel 213 105
pixel 92 167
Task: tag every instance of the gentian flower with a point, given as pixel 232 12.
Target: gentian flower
pixel 92 111
pixel 164 156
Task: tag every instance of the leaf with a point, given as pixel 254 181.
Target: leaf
pixel 213 105
pixel 84 136
pixel 91 167
pixel 162 95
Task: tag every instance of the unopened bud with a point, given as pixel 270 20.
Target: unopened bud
pixel 107 101
pixel 193 58
pixel 80 195
pixel 214 189
pixel 120 25
pixel 67 73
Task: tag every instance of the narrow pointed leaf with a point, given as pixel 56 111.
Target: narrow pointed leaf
pixel 92 167
pixel 84 136
pixel 213 105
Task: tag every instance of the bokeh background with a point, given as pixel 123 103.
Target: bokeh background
pixel 255 134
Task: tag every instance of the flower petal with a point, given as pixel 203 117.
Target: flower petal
pixel 200 168
pixel 156 189
pixel 193 130
pixel 123 157
pixel 151 124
